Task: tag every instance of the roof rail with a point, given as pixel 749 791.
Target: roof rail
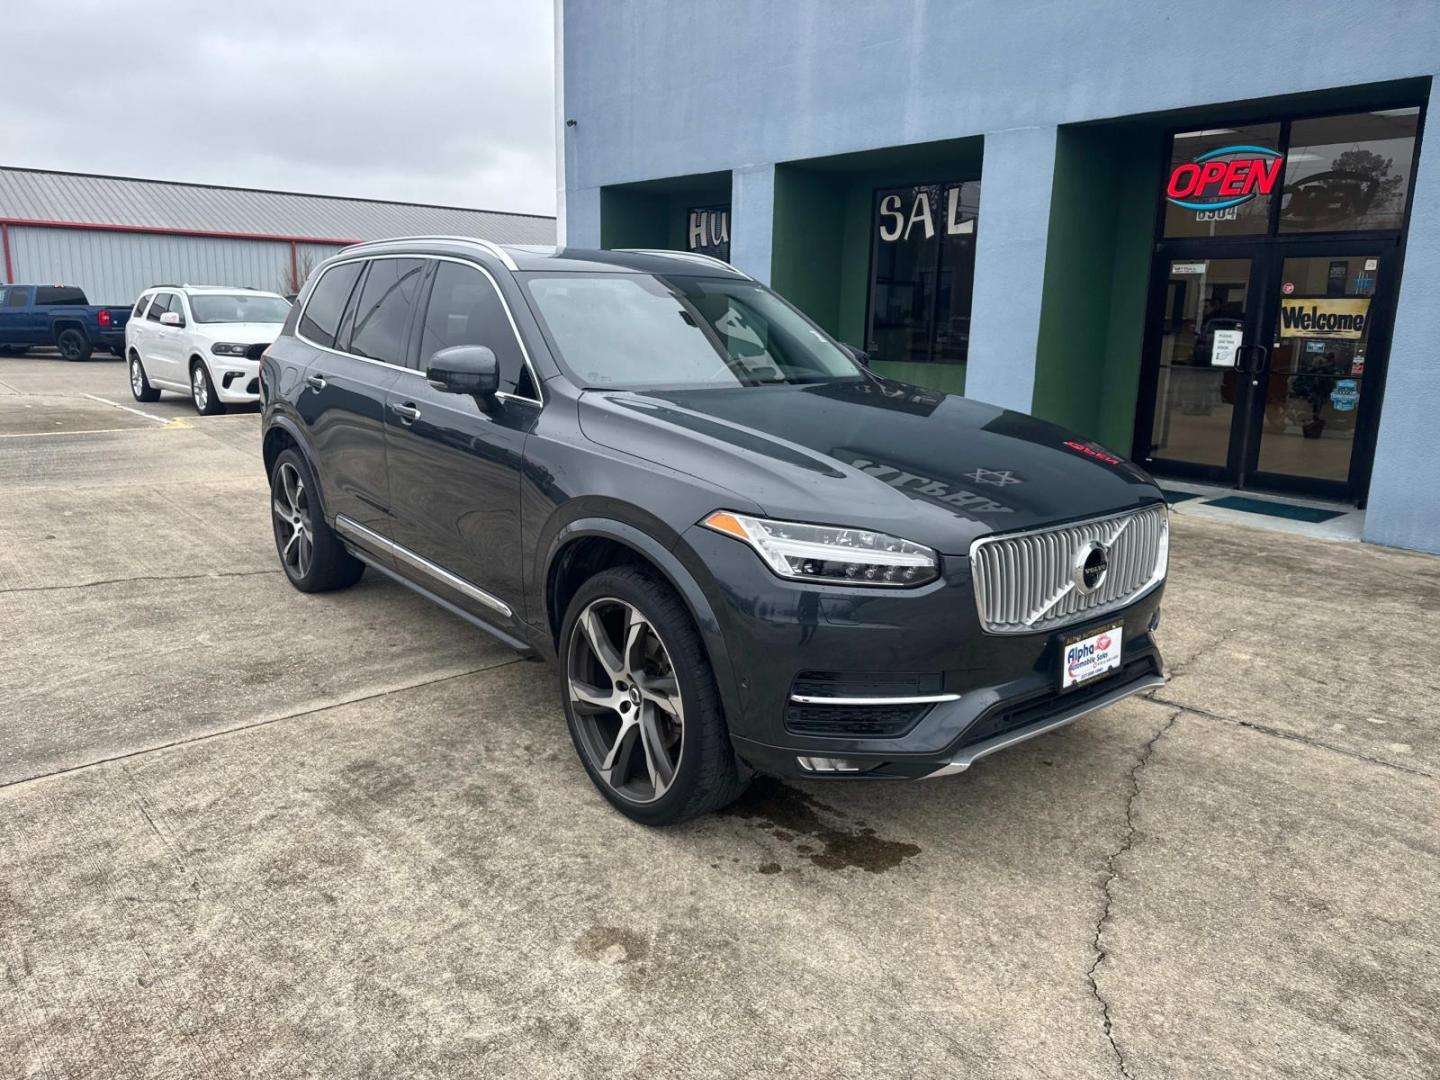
pixel 694 256
pixel 493 248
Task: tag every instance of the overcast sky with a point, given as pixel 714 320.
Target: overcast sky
pixel 421 100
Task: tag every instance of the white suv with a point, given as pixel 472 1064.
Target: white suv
pixel 201 340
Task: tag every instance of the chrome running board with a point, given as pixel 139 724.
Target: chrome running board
pixel 359 533
pixel 972 754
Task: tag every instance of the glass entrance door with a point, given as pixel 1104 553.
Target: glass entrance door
pixel 1262 365
pixel 1207 325
pixel 1313 390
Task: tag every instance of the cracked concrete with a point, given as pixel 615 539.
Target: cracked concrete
pixel 1111 871
pixel 248 833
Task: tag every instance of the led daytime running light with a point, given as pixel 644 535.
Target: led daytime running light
pixel 830 553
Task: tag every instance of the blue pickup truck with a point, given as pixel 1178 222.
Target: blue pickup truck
pixel 59 315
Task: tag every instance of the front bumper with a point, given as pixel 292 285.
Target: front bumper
pixel 237 380
pixel 991 691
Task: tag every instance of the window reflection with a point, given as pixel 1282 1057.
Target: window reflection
pixel 1349 172
pixel 924 272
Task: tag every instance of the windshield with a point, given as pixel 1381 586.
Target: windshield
pixel 639 331
pixel 238 307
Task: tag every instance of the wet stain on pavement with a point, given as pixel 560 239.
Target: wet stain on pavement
pixel 790 813
pixel 612 945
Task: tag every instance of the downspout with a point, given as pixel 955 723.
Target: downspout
pixel 5 244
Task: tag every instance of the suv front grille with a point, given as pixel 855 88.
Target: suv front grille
pixel 1028 582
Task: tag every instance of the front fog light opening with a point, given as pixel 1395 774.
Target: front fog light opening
pixel 830 553
pixel 830 764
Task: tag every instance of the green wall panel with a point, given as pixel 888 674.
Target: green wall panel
pixel 1097 261
pixel 948 378
pixel 820 249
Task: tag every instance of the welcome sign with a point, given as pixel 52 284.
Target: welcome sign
pixel 1342 317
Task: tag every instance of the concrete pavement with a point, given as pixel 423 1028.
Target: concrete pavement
pixel 246 832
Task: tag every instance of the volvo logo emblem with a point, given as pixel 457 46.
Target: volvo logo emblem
pixel 1092 562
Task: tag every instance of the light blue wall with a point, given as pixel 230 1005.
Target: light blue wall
pixel 1404 509
pixel 1009 281
pixel 661 88
pixel 752 210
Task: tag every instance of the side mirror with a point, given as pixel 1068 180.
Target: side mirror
pixel 859 355
pixel 464 369
pixel 172 318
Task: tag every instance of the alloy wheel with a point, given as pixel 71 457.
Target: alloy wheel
pixel 200 388
pixel 293 527
pixel 626 700
pixel 137 378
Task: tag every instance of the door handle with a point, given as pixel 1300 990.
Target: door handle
pixel 315 382
pixel 1259 352
pixel 407 412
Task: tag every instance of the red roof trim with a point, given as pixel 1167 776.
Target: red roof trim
pixel 159 231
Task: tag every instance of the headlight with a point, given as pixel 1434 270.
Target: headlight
pixel 229 348
pixel 830 553
pixel 1162 553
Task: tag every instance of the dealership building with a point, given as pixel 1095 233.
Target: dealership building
pixel 1202 234
pixel 115 236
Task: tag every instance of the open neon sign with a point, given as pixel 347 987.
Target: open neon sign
pixel 1224 177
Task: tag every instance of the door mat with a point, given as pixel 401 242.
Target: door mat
pixel 1274 509
pixel 1173 497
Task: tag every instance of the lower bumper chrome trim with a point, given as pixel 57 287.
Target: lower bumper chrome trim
pixel 921 699
pixel 355 531
pixel 972 754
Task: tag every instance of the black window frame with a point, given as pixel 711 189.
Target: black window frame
pixel 932 357
pixel 416 357
pixel 347 318
pixel 156 308
pixel 361 265
pixel 1287 121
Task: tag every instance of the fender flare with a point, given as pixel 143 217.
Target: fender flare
pixel 307 447
pixel 672 569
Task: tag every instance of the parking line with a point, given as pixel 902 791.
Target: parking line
pixel 127 408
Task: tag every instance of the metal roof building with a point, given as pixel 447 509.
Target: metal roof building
pixel 114 236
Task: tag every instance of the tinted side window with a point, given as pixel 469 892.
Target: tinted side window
pixel 16 297
pixel 465 309
pixel 322 312
pixel 383 313
pixel 159 307
pixel 59 294
pixel 140 304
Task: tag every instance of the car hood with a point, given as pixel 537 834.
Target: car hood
pixel 931 467
pixel 243 333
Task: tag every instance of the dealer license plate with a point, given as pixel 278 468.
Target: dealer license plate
pixel 1089 655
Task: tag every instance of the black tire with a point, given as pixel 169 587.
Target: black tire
pixel 73 345
pixel 706 775
pixel 202 390
pixel 140 386
pixel 329 566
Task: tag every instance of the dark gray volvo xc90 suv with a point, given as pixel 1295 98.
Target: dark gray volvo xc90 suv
pixel 744 550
